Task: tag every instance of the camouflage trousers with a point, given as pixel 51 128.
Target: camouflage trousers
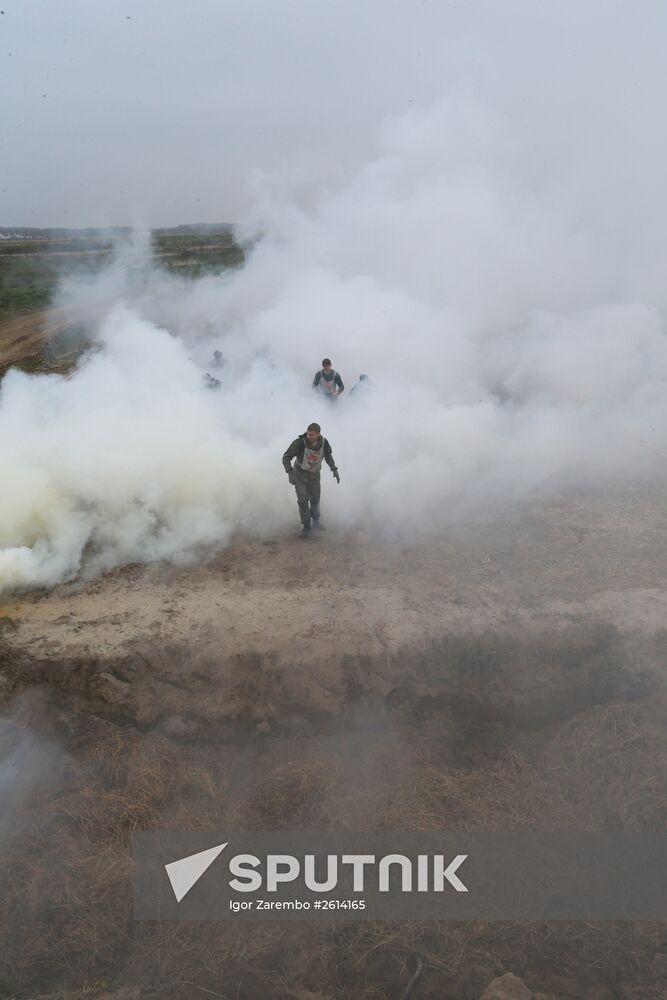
pixel 307 486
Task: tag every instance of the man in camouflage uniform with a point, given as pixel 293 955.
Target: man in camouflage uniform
pixel 307 452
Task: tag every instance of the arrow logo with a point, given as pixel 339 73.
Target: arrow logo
pixel 185 872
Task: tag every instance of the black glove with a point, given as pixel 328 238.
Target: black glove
pixel 290 476
pixel 336 475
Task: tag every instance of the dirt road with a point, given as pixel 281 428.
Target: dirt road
pixel 25 336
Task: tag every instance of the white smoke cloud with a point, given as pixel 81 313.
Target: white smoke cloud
pixel 29 764
pixel 512 344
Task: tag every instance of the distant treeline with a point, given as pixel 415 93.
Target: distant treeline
pixel 25 233
pixel 196 227
pixel 31 233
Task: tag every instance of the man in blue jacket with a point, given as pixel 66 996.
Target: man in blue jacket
pixel 302 462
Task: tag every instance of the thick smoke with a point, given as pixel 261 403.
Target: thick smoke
pixel 29 765
pixel 514 336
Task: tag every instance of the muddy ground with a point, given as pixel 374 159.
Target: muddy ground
pixel 510 674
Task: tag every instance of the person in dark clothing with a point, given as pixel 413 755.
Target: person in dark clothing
pixel 328 381
pixel 302 462
pixel 363 384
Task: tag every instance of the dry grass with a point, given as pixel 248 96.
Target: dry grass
pixel 65 912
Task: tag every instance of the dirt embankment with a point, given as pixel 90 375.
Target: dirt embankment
pixel 37 342
pixel 508 676
pixel 23 336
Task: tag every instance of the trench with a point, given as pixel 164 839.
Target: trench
pixel 503 730
pixel 468 683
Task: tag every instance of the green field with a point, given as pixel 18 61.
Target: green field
pixel 32 262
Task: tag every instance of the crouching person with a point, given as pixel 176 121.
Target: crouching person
pixel 302 462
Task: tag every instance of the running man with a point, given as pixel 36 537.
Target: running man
pixel 307 452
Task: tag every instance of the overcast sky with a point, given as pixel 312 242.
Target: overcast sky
pixel 154 112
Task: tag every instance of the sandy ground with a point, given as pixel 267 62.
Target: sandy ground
pixel 576 558
pixel 265 627
pixel 25 336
